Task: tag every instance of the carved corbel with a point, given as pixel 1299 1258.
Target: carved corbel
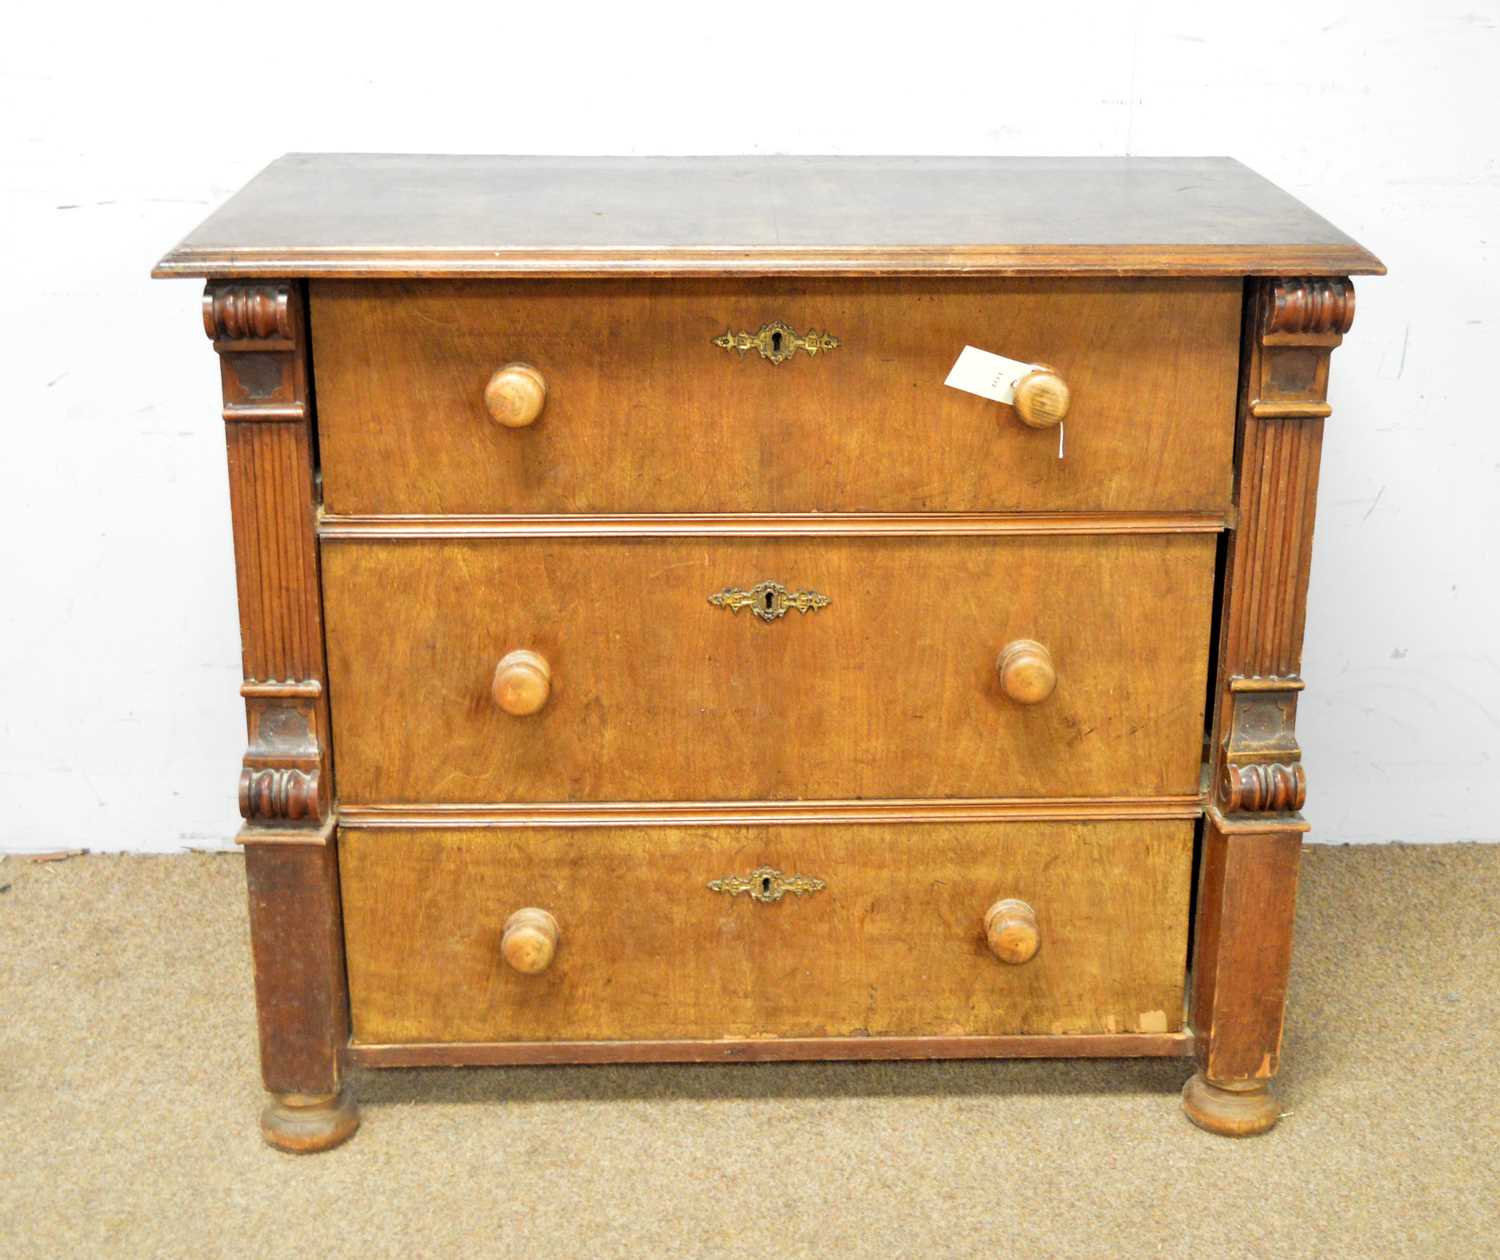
pixel 260 333
pixel 283 765
pixel 1301 323
pixel 1261 765
pixel 1293 327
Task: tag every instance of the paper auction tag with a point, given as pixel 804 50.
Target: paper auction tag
pixel 988 375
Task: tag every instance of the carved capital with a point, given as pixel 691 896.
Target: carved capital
pixel 260 335
pixel 1300 322
pixel 248 312
pixel 1264 787
pixel 1319 307
pixel 1261 766
pixel 281 778
pixel 279 795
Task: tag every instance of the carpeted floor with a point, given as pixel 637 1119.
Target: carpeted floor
pixel 129 1094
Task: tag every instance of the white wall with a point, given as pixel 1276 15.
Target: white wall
pixel 120 726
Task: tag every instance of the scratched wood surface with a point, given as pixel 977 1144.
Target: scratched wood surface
pixel 892 945
pixel 644 413
pixel 889 691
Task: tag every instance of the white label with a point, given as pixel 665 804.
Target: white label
pixel 988 375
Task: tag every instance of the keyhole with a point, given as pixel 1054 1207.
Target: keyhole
pixel 765 883
pixel 775 343
pixel 770 598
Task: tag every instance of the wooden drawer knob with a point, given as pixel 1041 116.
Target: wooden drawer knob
pixel 530 940
pixel 1026 671
pixel 515 395
pixel 523 681
pixel 1042 398
pixel 1010 928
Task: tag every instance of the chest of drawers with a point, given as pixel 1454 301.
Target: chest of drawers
pixel 648 656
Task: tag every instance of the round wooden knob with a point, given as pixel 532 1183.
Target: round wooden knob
pixel 523 681
pixel 530 940
pixel 1026 671
pixel 515 395
pixel 1042 398
pixel 1010 928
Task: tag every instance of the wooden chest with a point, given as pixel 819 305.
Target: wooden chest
pixel 649 656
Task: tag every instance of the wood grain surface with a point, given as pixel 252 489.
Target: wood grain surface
pixel 292 881
pixel 892 945
pixel 656 694
pixel 322 214
pixel 645 413
pixel 1242 954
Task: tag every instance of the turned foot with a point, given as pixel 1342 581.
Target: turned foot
pixel 305 1123
pixel 1233 1109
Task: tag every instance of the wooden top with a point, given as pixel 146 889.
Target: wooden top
pixel 396 215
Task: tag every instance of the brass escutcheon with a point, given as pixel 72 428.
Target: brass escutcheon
pixel 778 341
pixel 766 884
pixel 768 600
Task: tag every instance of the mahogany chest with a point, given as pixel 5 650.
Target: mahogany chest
pixel 649 655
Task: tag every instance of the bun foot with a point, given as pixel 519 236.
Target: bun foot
pixel 307 1123
pixel 1234 1109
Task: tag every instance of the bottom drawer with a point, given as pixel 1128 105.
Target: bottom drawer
pixel 679 932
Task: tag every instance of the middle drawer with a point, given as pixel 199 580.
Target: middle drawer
pixel 660 691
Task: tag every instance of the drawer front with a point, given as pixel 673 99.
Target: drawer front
pixel 657 693
pixel 644 412
pixel 892 943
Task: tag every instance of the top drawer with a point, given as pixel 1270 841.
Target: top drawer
pixel 646 412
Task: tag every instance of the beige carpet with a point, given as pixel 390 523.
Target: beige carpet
pixel 128 1098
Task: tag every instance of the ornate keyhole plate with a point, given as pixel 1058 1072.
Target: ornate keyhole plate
pixel 769 601
pixel 766 884
pixel 778 341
